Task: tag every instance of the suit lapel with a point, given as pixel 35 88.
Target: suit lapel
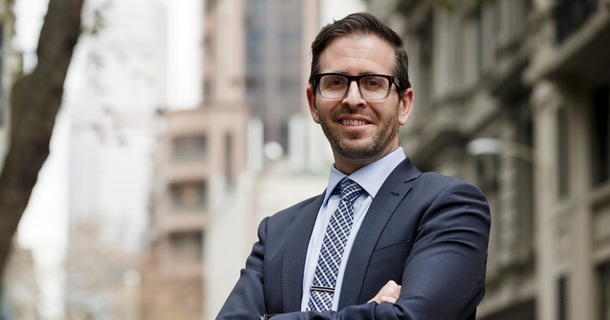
pixel 391 193
pixel 295 253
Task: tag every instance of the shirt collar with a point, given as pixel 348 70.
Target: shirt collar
pixel 369 177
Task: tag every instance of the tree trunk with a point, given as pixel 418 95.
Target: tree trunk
pixel 35 101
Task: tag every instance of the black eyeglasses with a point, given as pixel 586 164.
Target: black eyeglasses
pixel 371 86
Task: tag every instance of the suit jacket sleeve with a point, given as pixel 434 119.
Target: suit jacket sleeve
pixel 444 275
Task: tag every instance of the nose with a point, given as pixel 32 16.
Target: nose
pixel 353 98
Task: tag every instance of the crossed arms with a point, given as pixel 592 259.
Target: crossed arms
pixel 441 278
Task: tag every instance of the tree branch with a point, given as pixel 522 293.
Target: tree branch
pixel 35 101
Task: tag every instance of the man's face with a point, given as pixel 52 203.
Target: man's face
pixel 359 131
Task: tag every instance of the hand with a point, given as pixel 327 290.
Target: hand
pixel 389 293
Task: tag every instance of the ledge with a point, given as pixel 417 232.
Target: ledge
pixel 582 56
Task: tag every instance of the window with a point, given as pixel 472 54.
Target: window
pixel 425 34
pixel 187 245
pixel 562 298
pixel 487 36
pixel 601 134
pixel 488 167
pixel 562 149
pixel 210 5
pixel 190 147
pixel 207 90
pixel 604 294
pixel 188 195
pixel 570 15
pixel 456 40
pixel 525 191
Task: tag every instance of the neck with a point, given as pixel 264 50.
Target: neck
pixel 348 166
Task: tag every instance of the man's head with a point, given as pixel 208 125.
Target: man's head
pixel 358 92
pixel 361 24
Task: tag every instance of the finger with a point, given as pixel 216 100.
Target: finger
pixel 398 289
pixel 388 299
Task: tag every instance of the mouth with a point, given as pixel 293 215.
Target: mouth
pixel 346 122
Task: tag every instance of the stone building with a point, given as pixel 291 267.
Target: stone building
pixel 533 75
pixel 199 155
pixel 199 159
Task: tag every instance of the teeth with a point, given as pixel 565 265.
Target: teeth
pixel 353 122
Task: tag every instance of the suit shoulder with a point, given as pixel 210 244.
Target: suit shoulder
pixel 439 182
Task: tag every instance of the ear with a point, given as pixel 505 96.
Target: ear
pixel 405 106
pixel 313 107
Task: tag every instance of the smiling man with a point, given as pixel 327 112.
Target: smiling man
pixel 383 241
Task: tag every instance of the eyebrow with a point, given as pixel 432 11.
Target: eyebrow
pixel 361 74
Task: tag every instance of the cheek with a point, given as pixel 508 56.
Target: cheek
pixel 325 111
pixel 385 112
pixel 315 108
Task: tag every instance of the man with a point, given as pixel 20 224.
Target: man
pixel 380 222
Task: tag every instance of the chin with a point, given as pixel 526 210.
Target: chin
pixel 357 150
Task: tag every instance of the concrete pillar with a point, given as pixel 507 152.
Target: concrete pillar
pixel 581 298
pixel 507 197
pixel 545 103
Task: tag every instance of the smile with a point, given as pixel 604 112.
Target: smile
pixel 353 122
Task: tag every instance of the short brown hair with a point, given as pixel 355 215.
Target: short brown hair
pixel 362 23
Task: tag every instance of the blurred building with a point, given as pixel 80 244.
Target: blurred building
pixel 274 73
pixel 213 183
pixel 200 156
pixel 278 36
pixel 200 153
pixel 535 76
pixel 119 72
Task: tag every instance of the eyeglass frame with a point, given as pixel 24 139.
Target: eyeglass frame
pixel 350 79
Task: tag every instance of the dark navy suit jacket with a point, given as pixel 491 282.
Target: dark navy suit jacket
pixel 427 232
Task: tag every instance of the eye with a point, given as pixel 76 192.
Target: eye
pixel 372 83
pixel 336 81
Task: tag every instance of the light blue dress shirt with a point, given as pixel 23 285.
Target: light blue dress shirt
pixel 370 178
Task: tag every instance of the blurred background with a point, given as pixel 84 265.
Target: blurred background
pixel 185 122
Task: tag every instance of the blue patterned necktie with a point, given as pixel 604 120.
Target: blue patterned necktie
pixel 337 233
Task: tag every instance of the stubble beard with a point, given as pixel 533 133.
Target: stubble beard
pixel 353 146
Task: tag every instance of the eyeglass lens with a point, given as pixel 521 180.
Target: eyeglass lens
pixel 371 87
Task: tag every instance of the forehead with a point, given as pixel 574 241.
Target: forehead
pixel 357 54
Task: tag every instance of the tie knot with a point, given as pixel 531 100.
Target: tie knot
pixel 350 190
